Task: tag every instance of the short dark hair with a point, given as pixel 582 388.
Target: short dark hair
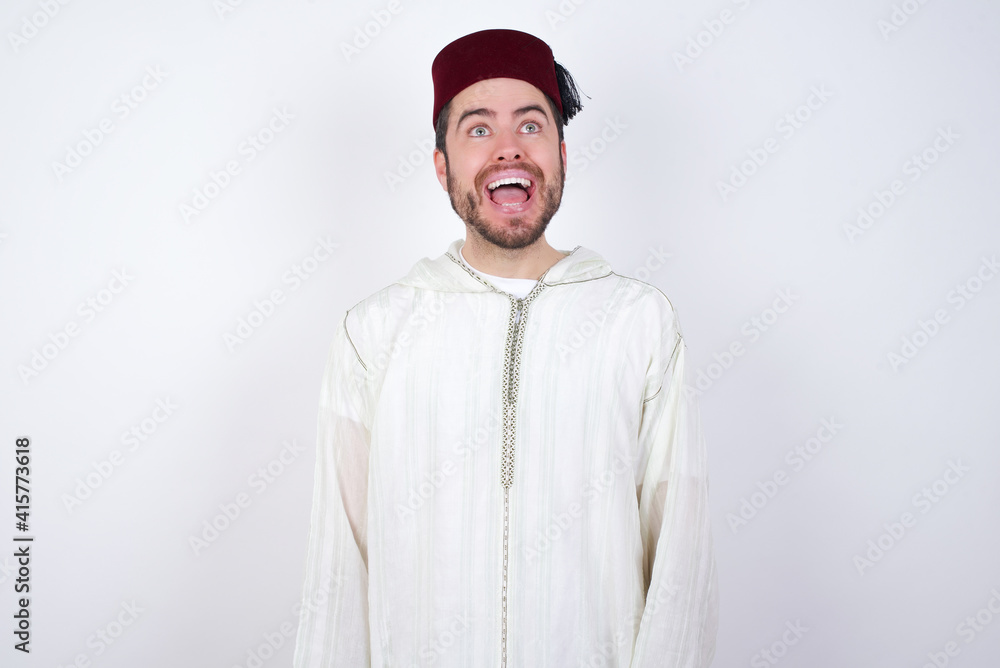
pixel 441 129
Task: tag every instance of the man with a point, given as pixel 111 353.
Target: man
pixel 508 471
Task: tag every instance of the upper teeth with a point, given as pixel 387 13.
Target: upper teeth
pixel 506 182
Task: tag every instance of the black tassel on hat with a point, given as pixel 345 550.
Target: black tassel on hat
pixel 570 96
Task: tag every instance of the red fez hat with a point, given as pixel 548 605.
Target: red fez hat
pixel 493 54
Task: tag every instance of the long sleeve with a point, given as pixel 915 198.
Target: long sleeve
pixel 680 620
pixel 333 624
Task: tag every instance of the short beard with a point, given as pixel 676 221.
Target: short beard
pixel 523 235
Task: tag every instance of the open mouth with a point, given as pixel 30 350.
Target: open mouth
pixel 511 194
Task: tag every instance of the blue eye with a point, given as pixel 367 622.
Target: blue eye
pixel 532 125
pixel 478 127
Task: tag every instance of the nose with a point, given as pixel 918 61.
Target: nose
pixel 508 146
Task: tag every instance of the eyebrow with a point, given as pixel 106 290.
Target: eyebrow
pixel 482 111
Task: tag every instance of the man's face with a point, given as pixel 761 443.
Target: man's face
pixel 503 129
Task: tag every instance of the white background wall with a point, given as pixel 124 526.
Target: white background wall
pixel 677 129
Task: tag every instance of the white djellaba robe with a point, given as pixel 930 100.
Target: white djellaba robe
pixel 509 482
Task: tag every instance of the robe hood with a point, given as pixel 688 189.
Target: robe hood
pixel 448 273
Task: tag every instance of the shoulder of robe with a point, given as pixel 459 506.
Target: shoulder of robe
pixel 370 320
pixel 656 309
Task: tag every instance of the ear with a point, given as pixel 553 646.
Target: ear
pixel 562 147
pixel 441 168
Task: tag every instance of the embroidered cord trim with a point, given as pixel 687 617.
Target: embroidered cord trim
pixel 511 376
